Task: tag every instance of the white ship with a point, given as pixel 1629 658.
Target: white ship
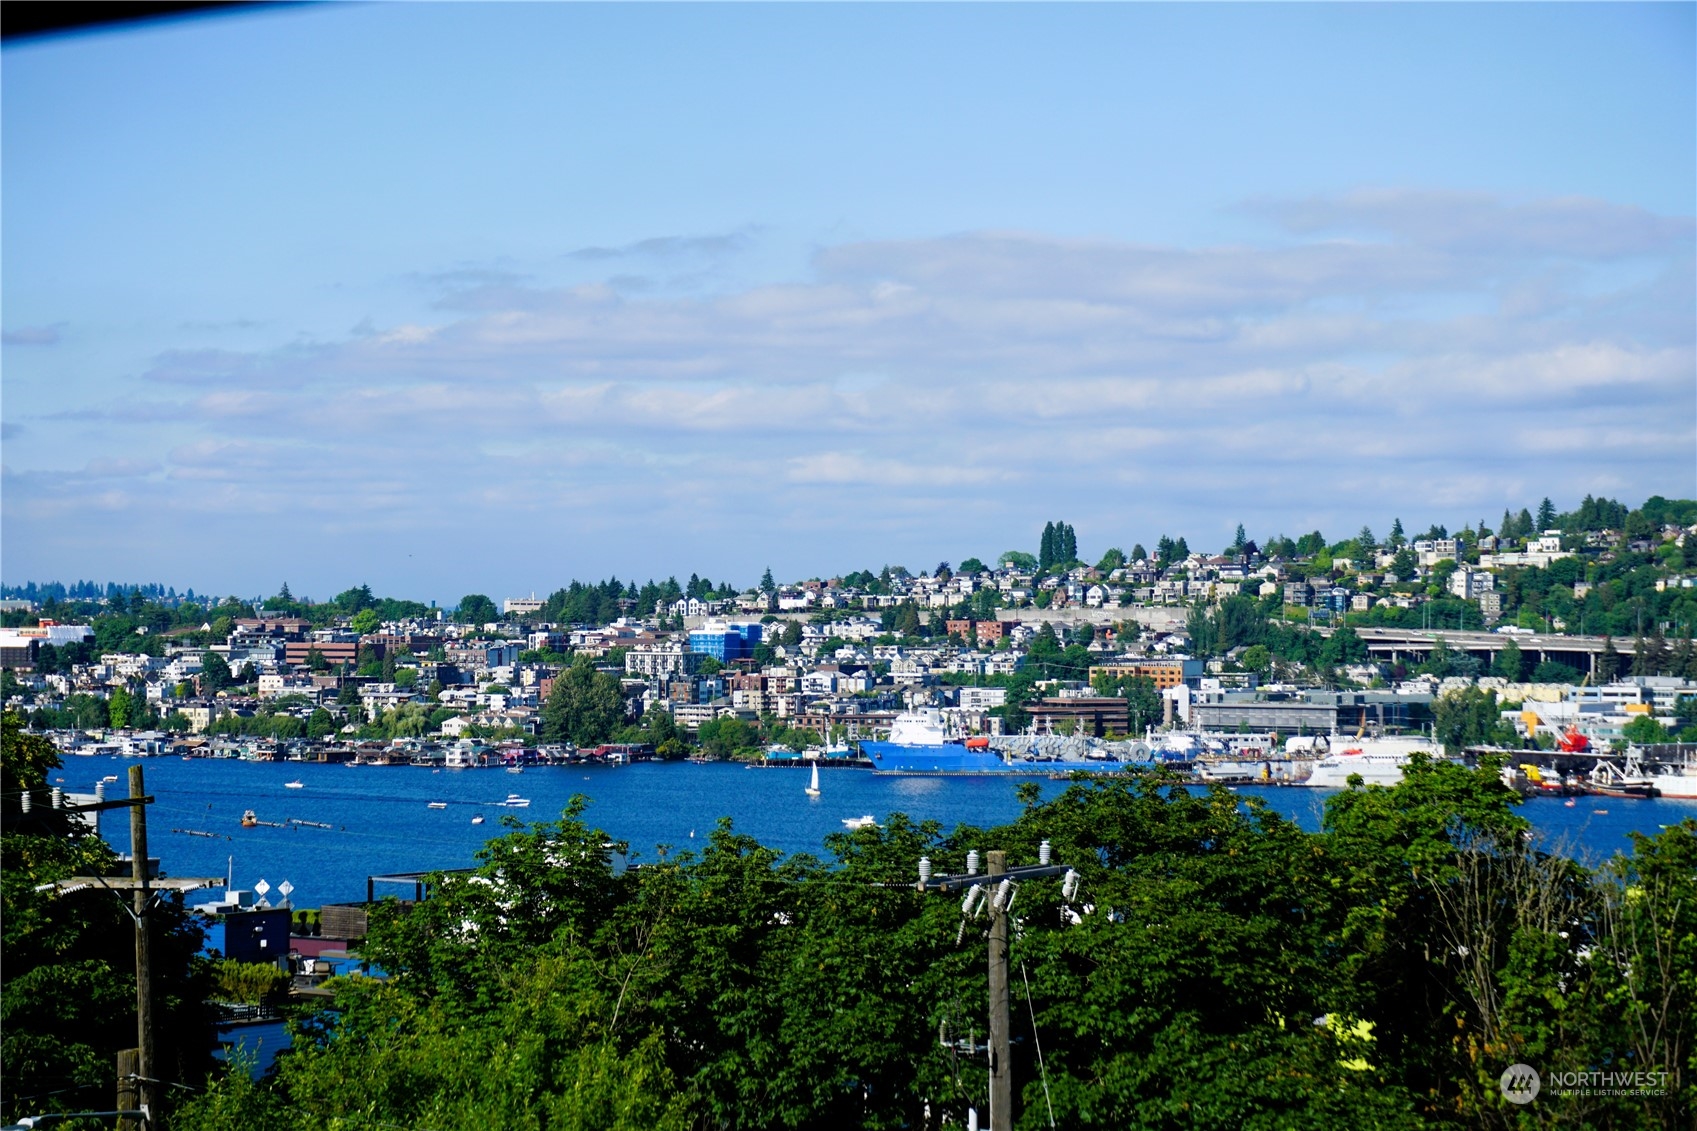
pixel 1671 768
pixel 1379 761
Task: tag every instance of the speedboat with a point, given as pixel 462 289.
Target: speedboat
pixel 514 801
pixel 436 805
pixel 866 822
pixel 477 820
pixel 293 785
pixel 250 820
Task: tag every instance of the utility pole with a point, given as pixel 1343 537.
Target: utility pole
pixel 136 1067
pixel 1001 1076
pixel 995 891
pixel 145 1061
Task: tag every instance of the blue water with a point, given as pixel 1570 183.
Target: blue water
pixel 382 823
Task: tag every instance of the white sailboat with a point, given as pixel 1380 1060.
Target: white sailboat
pixel 813 787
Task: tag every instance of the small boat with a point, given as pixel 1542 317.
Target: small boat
pixel 866 822
pixel 1603 812
pixel 110 777
pixel 477 820
pixel 293 785
pixel 515 769
pixel 514 801
pixel 1570 803
pixel 249 820
pixel 436 805
pixel 813 787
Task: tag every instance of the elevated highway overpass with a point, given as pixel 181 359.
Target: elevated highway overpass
pixel 1415 644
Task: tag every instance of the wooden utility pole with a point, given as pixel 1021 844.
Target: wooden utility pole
pixel 986 889
pixel 1001 1061
pixel 128 1071
pixel 146 1066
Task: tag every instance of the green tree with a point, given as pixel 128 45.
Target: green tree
pixel 585 707
pixel 119 705
pixel 68 999
pixel 1644 731
pixel 971 567
pixel 475 608
pixel 1018 559
pixel 1471 717
pixel 1509 664
pixel 214 673
pixel 365 622
pixel 1608 661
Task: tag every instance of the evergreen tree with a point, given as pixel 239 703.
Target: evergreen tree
pixel 1510 664
pixel 1506 530
pixel 1239 540
pixel 1641 657
pixel 1365 542
pixel 1523 523
pixel 1546 515
pixel 1656 654
pixel 1069 543
pixel 1180 550
pixel 1683 663
pixel 1139 554
pixel 1397 537
pixel 766 583
pixel 1608 661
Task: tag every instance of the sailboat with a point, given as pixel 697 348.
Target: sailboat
pixel 813 786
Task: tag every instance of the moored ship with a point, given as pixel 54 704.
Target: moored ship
pixel 1379 761
pixel 919 743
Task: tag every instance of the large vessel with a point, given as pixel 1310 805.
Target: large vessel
pixel 920 744
pixel 1672 768
pixel 1379 761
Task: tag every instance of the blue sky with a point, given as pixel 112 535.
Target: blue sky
pixel 449 297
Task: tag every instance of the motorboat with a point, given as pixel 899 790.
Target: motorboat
pixel 250 820
pixel 477 820
pixel 294 785
pixel 866 822
pixel 436 805
pixel 514 801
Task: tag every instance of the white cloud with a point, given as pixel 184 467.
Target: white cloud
pixel 1387 352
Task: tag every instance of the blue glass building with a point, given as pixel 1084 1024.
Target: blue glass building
pixel 726 642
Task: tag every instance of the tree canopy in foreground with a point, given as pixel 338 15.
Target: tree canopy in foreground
pixel 1219 968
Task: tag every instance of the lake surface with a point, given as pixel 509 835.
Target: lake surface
pixel 381 822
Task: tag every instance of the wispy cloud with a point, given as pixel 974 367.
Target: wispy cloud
pixel 32 335
pixel 674 247
pixel 1382 350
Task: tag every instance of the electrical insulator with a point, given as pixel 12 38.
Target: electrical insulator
pixel 1043 854
pixel 58 796
pixel 1069 885
pixel 973 894
pixel 100 791
pixel 924 869
pixel 25 801
pixel 972 863
pixel 1004 896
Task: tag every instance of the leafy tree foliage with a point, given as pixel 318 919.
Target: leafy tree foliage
pixel 475 608
pixel 68 1000
pixel 1220 969
pixel 585 706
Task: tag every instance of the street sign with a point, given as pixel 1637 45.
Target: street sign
pixel 262 887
